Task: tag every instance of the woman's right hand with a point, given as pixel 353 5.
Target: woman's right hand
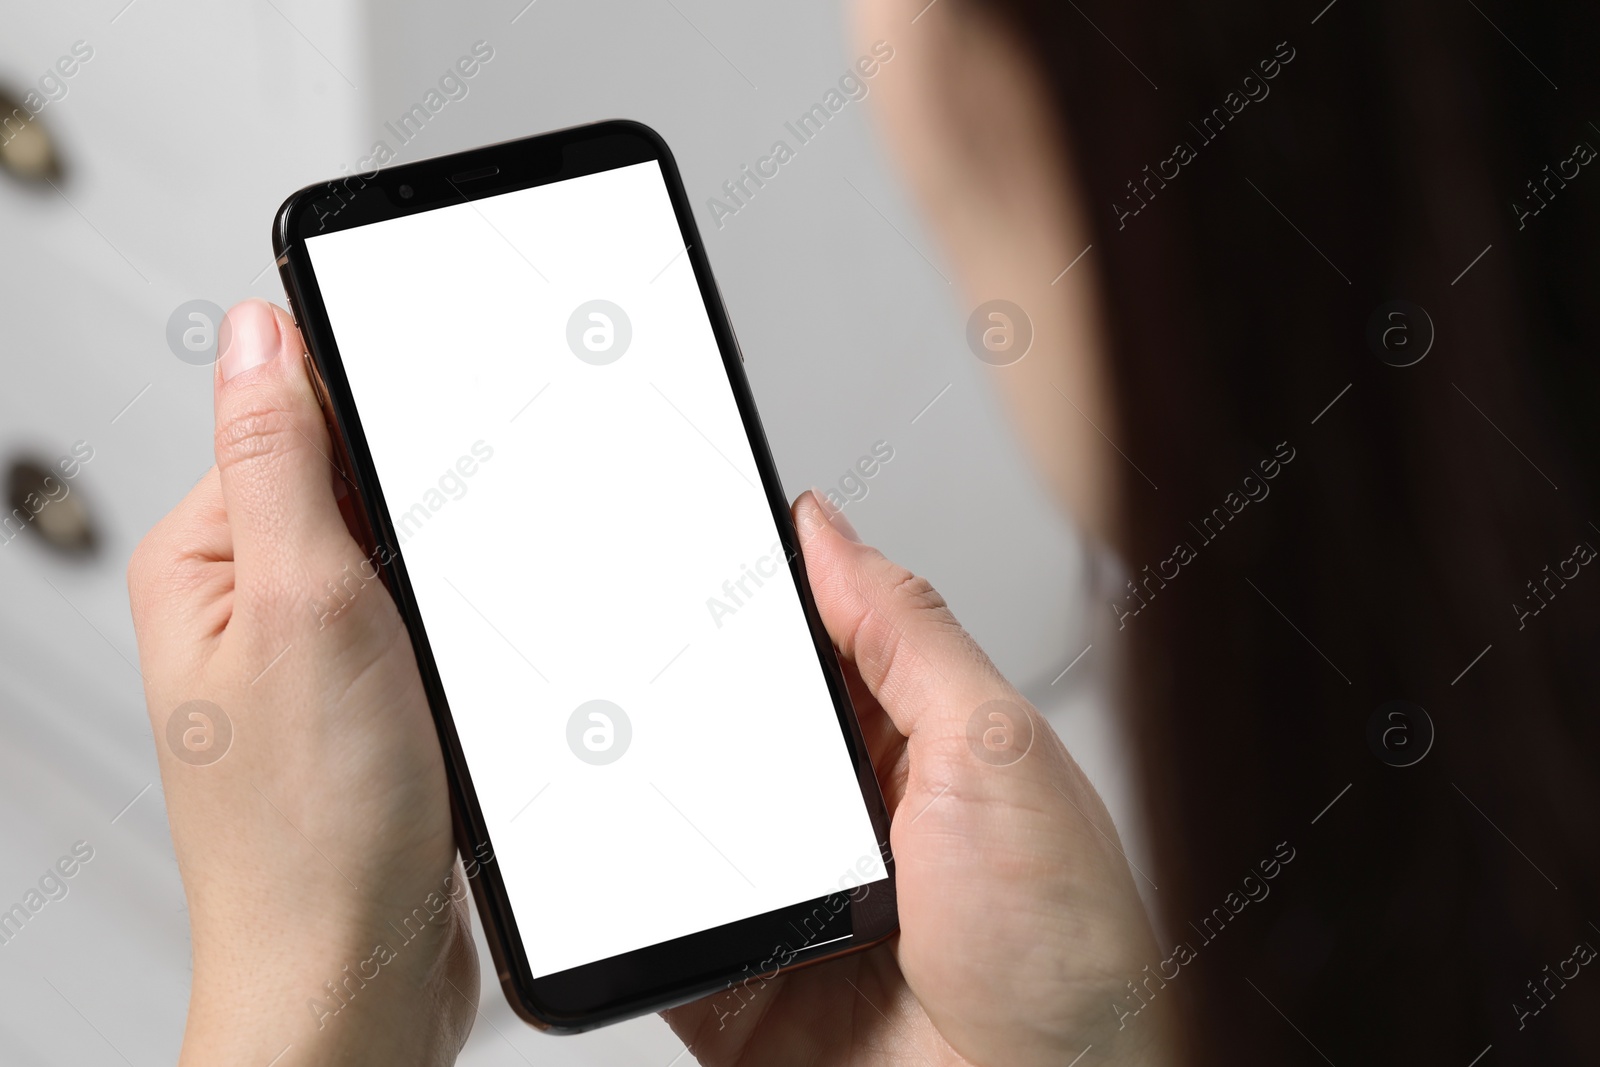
pixel 1021 927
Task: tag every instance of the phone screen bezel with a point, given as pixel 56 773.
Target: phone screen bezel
pixel 687 968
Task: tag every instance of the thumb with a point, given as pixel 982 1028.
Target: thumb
pixel 925 670
pixel 272 449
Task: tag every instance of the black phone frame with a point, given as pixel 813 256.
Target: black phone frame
pixel 748 952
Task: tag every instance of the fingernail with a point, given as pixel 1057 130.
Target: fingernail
pixel 834 516
pixel 253 340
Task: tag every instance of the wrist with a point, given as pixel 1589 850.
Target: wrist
pixel 367 992
pixel 1131 1022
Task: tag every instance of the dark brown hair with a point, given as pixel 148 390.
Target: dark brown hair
pixel 1403 551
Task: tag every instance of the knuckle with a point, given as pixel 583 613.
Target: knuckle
pixel 880 640
pixel 907 626
pixel 260 429
pixel 915 600
pixel 915 592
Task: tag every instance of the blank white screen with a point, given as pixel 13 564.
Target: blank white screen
pixel 572 555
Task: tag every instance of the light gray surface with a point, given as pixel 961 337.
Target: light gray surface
pixel 182 135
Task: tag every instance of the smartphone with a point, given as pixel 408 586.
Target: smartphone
pixel 541 411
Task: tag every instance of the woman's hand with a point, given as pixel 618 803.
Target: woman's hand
pixel 1020 923
pixel 304 781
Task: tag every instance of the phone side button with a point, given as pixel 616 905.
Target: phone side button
pixel 288 290
pixel 316 385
